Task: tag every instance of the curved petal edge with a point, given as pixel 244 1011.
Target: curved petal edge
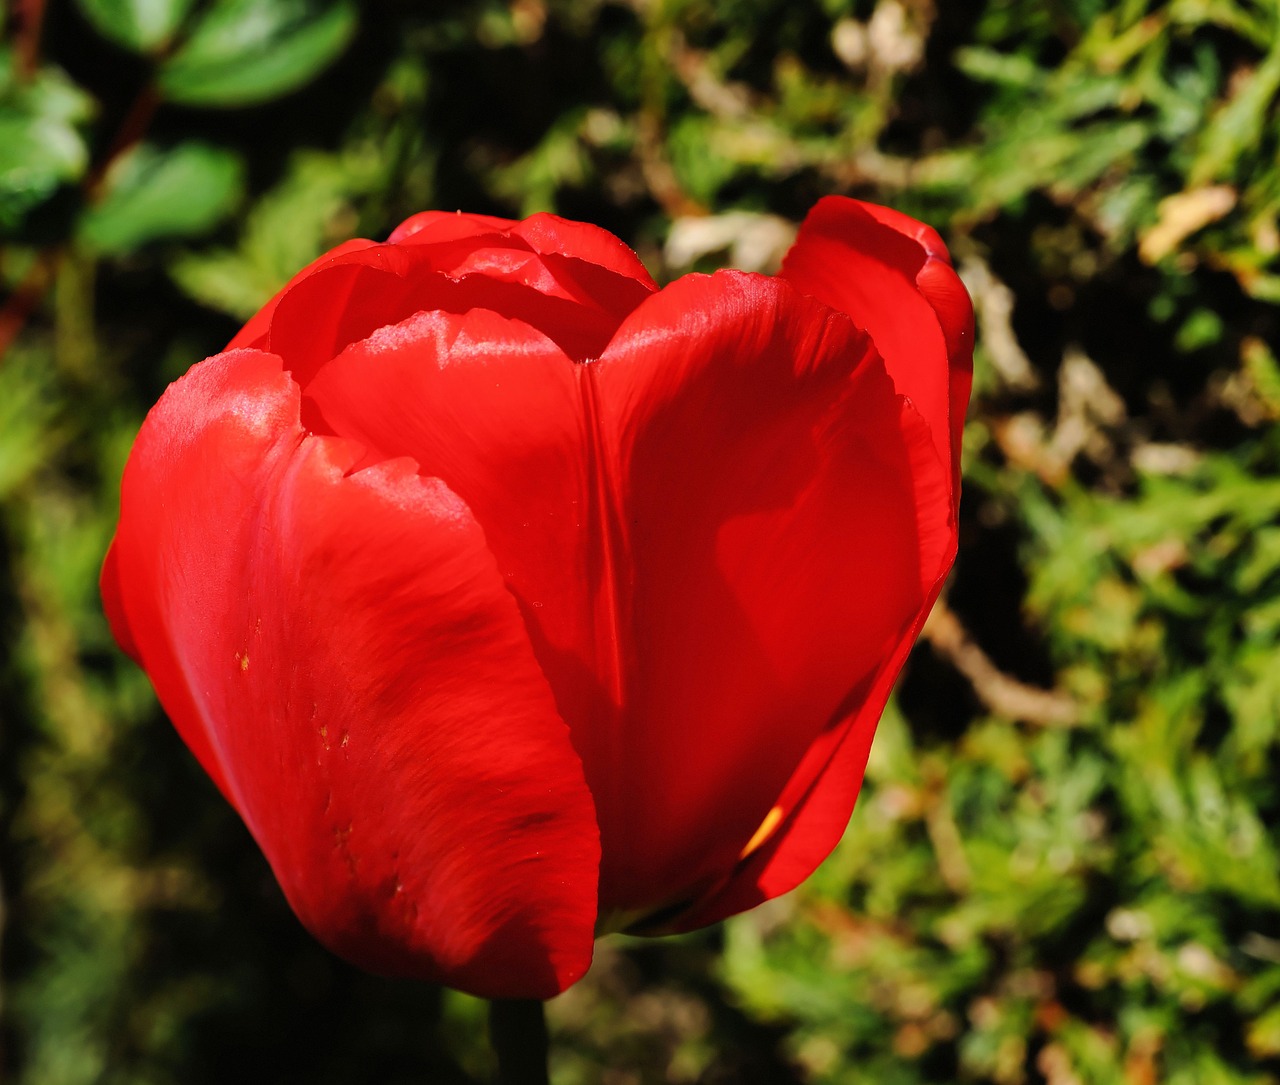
pixel 338 648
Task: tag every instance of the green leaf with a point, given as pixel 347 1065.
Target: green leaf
pixel 1237 128
pixel 140 25
pixel 990 66
pixel 153 193
pixel 41 145
pixel 246 51
pixel 286 229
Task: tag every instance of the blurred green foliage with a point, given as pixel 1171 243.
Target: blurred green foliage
pixel 1063 868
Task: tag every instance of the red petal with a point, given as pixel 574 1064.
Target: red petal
pixel 951 301
pixel 341 647
pixel 812 811
pixel 693 629
pixel 893 276
pixel 174 695
pixel 495 409
pixel 429 227
pixel 340 304
pixel 545 234
pixel 784 518
pixel 254 333
pixel 113 606
pixel 492 407
pixel 603 297
pixel 577 304
pixel 550 234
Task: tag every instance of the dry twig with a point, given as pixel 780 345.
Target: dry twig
pixel 1004 695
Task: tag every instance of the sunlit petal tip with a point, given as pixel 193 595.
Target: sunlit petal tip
pixel 434 226
pixel 892 275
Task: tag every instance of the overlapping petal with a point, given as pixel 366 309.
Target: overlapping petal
pixel 574 282
pixel 493 407
pixel 812 811
pixel 893 276
pixel 783 516
pixel 254 333
pixel 339 648
pixel 545 234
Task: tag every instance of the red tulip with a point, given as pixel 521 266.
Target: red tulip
pixel 510 599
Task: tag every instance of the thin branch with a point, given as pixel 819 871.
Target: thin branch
pixel 1004 695
pixel 28 19
pixel 18 306
pixel 134 126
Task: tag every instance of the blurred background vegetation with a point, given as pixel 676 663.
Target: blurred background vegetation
pixel 1063 868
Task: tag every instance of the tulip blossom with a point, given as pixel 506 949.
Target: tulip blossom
pixel 511 600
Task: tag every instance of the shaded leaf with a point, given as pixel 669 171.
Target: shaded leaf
pixel 140 25
pixel 42 144
pixel 246 51
pixel 1237 128
pixel 153 193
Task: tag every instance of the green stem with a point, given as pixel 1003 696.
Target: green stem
pixel 518 1036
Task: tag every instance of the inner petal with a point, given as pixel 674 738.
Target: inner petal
pixel 576 304
pixel 494 407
